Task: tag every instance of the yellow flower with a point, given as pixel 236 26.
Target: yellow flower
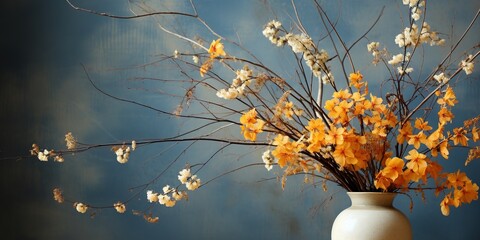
pixel 393 168
pixel 445 206
pixel 404 132
pixel 417 162
pixel 444 115
pixel 442 147
pixel 286 151
pixel 249 117
pixel 355 79
pixel 457 179
pixel 316 124
pixel 335 135
pixel 251 126
pixel 449 98
pixel 417 139
pixel 330 104
pixel 469 192
pixel 344 155
pixel 382 182
pixel 342 94
pixel 421 124
pixel 216 49
pixel 340 112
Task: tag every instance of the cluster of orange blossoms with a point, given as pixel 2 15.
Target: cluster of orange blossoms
pixel 336 138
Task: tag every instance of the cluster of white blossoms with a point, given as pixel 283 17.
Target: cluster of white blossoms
pixel 374 48
pixel 401 59
pixel 171 195
pixel 467 64
pixel 415 8
pixel 268 160
pixel 300 43
pixel 82 207
pixel 192 182
pixel 414 36
pixel 238 86
pixel 45 154
pixel 70 141
pixel 441 78
pixel 271 31
pixel 123 152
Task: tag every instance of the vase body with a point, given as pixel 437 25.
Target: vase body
pixel 371 217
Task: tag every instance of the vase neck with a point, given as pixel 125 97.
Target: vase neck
pixel 371 198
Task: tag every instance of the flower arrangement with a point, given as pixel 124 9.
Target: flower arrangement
pixel 324 122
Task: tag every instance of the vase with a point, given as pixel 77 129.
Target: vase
pixel 371 216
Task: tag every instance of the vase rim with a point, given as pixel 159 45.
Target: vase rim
pixel 373 193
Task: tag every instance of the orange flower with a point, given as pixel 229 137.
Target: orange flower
pixel 417 139
pixel 340 112
pixel 445 205
pixel 382 182
pixel 449 98
pixel 393 168
pixel 442 147
pixel 417 162
pixel 355 79
pixel 459 136
pixel 444 115
pixel 330 104
pixel 469 192
pixel 344 155
pixel 421 124
pixel 216 49
pixel 475 134
pixel 342 94
pixel 316 124
pixel 251 126
pixel 286 151
pixel 335 136
pixel 404 132
pixel 458 179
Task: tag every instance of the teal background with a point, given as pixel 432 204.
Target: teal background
pixel 45 93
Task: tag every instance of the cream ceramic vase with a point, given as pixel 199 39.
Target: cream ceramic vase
pixel 371 217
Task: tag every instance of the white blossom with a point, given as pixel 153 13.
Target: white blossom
pixel 80 207
pixel 43 156
pixel 151 196
pixel 396 59
pixel 467 65
pixel 167 189
pixel 268 160
pixel 441 78
pixel 120 207
pixel 179 195
pixel 59 158
pixel 373 46
pixel 163 198
pixel 402 71
pixel 184 175
pixel 195 59
pixel 134 145
pixel 123 153
pixel 193 183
